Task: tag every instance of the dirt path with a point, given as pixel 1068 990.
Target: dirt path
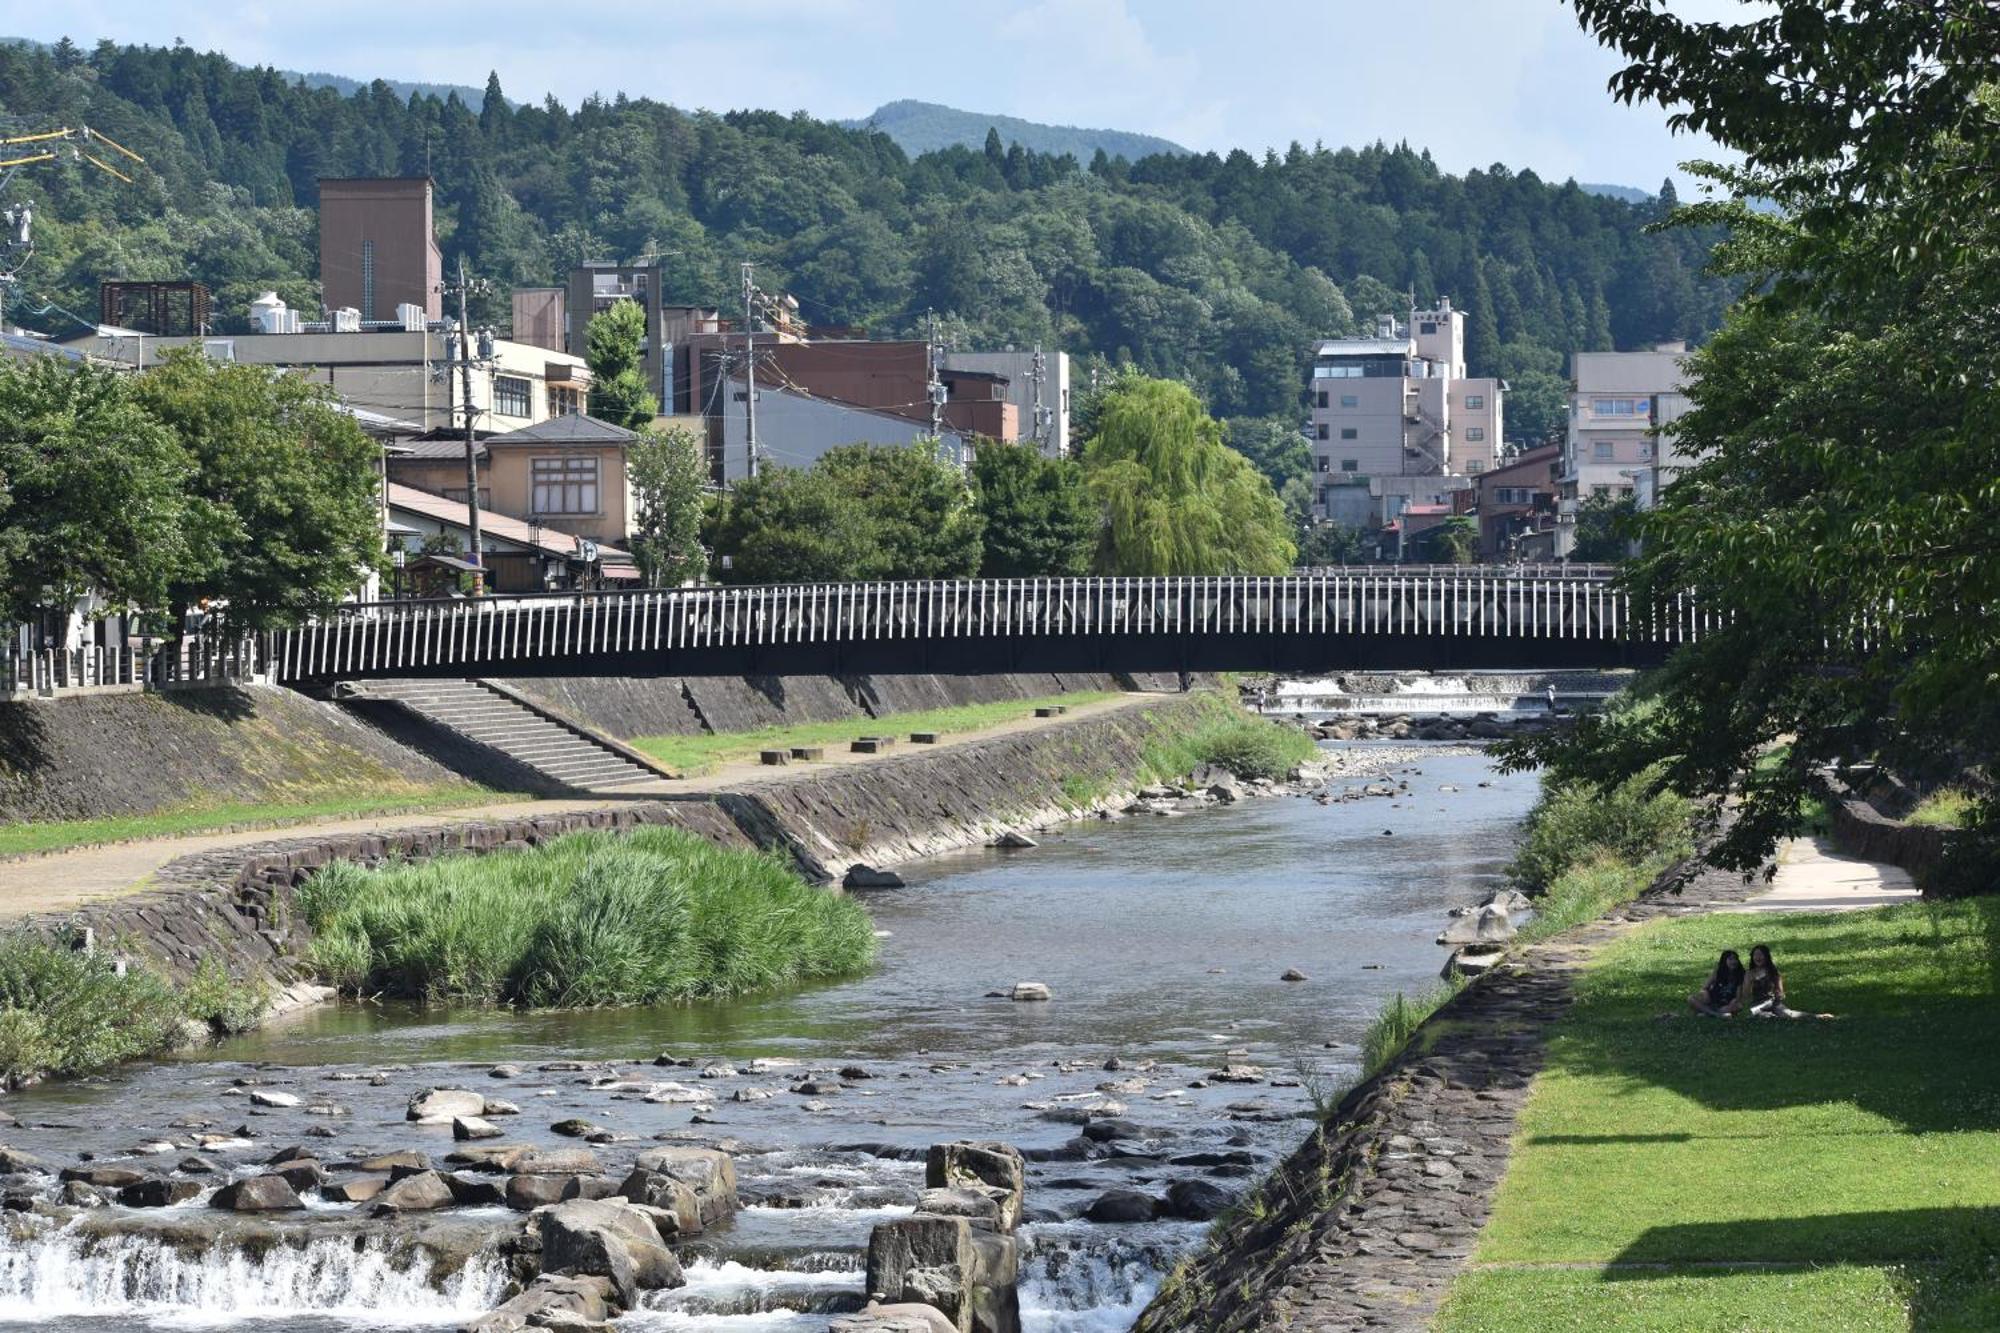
pixel 1813 877
pixel 63 881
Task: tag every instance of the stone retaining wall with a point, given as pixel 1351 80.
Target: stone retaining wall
pixel 1859 829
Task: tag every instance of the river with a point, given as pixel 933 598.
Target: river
pixel 1163 941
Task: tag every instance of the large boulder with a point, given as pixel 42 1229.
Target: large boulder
pixel 418 1192
pixel 611 1239
pixel 967 1272
pixel 903 1317
pixel 1123 1206
pixel 1489 925
pixel 551 1301
pixel 707 1172
pixel 257 1194
pixel 1196 1200
pixel 658 1190
pixel 990 1168
pixel 159 1192
pixel 440 1106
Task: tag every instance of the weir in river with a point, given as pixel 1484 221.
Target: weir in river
pixel 1162 939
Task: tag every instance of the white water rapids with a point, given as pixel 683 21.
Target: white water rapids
pixel 68 1272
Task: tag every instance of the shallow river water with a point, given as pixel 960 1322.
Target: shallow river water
pixel 1162 940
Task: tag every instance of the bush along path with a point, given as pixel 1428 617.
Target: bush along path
pixel 1368 1223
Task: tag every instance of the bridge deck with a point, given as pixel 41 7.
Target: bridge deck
pixel 1323 620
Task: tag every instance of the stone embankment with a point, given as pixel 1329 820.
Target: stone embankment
pixel 1367 1224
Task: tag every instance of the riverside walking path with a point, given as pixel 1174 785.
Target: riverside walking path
pixel 63 881
pixel 1375 1217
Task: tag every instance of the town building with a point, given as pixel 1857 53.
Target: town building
pixel 796 429
pixel 567 474
pixel 412 374
pixel 164 309
pixel 1622 409
pixel 378 249
pixel 1516 505
pixel 520 555
pixel 1398 413
pixel 1037 384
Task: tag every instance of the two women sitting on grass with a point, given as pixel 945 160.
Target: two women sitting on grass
pixel 1759 991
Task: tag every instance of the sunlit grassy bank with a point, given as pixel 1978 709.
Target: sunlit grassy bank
pixel 656 916
pixel 699 754
pixel 55 835
pixel 1823 1176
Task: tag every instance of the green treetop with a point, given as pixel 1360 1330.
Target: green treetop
pixel 612 344
pixel 1039 517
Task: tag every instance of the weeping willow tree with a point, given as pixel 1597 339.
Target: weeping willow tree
pixel 1176 499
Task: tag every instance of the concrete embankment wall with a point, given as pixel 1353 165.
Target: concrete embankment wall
pixel 237 905
pixel 630 707
pixel 134 754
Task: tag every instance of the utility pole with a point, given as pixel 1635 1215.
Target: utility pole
pixel 471 438
pixel 750 371
pixel 934 384
pixel 1043 417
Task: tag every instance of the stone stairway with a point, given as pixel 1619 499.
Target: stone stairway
pixel 562 756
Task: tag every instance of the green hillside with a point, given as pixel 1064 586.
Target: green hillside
pixel 925 127
pixel 1218 270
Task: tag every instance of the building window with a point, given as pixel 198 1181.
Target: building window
pixel 565 402
pixel 1350 465
pixel 1349 433
pixel 1323 431
pixel 458 494
pixel 1428 326
pixel 1474 434
pixel 1620 407
pixel 1322 397
pixel 1337 372
pixel 1599 492
pixel 512 396
pixel 1645 449
pixel 565 485
pixel 1600 451
pixel 1475 465
pixel 1350 400
pixel 1475 401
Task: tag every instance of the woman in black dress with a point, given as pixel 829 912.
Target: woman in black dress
pixel 1722 994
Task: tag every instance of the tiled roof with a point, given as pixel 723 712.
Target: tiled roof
pixel 504 526
pixel 572 429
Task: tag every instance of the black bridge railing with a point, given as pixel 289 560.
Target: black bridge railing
pixel 1547 603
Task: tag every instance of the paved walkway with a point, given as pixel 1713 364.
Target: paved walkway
pixel 1813 877
pixel 63 881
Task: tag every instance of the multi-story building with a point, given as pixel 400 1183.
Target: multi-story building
pixel 796 429
pixel 567 473
pixel 1622 409
pixel 1398 413
pixel 1037 384
pixel 1517 505
pixel 377 248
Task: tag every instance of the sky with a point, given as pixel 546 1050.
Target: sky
pixel 1474 81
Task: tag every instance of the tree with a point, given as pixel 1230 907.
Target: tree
pixel 1482 325
pixel 920 514
pixel 1454 541
pixel 91 495
pixel 1177 500
pixel 1275 446
pixel 1603 529
pixel 1329 543
pixel 283 506
pixel 668 471
pixel 789 526
pixel 612 343
pixel 1039 517
pixel 1839 540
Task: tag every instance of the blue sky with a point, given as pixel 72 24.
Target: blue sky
pixel 1475 81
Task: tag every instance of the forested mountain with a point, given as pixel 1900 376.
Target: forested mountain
pixel 1217 270
pixel 925 127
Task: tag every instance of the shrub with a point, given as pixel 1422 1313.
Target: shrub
pixel 226 1006
pixel 1397 1021
pixel 590 919
pixel 65 1012
pixel 1577 822
pixel 1947 807
pixel 1227 737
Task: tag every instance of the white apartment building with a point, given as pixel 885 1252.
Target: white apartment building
pixel 1398 415
pixel 1622 409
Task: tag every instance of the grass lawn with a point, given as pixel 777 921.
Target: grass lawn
pixel 1857 1161
pixel 54 835
pixel 698 754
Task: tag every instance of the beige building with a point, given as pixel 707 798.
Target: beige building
pixel 377 248
pixel 1622 409
pixel 567 474
pixel 1399 413
pixel 411 375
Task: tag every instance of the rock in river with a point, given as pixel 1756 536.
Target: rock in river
pixel 440 1106
pixel 1029 990
pixel 257 1194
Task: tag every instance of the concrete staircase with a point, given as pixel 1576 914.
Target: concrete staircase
pixel 562 756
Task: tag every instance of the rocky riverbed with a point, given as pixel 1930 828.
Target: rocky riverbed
pixel 1209 971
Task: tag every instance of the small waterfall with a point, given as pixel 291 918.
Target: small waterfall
pixel 74 1272
pixel 1083 1280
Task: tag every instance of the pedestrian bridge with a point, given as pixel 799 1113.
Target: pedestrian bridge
pixel 1326 620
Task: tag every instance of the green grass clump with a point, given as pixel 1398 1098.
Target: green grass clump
pixel 1857 1160
pixel 700 754
pixel 65 1012
pixel 1397 1021
pixel 1577 823
pixel 1947 807
pixel 55 835
pixel 1225 735
pixel 590 919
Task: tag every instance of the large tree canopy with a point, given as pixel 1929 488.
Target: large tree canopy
pixel 1040 519
pixel 1176 499
pixel 1838 522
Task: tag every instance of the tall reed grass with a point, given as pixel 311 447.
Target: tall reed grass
pixel 1228 737
pixel 589 919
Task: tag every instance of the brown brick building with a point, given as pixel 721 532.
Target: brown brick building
pixel 377 249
